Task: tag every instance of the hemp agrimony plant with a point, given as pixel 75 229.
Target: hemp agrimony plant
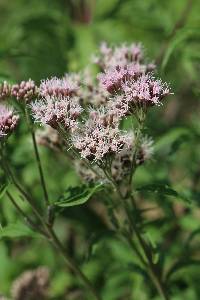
pixel 86 118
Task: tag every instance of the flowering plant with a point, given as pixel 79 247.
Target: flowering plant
pixel 98 122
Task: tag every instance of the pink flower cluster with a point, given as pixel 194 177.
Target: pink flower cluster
pixel 124 85
pixel 141 92
pixel 146 89
pixel 24 91
pixel 128 79
pixel 58 104
pixel 100 136
pixel 120 64
pixel 111 57
pixel 8 121
pixel 57 87
pixel 55 111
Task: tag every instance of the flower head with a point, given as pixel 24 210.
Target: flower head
pixel 8 121
pixel 141 92
pixel 24 91
pixel 53 111
pixel 111 57
pixel 57 87
pixel 100 136
pixel 145 89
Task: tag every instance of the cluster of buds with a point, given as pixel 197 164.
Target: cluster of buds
pixel 31 285
pixel 100 136
pixel 8 121
pixel 25 91
pixel 5 90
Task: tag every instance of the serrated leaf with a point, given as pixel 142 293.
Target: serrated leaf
pixel 161 189
pixel 16 230
pixel 77 195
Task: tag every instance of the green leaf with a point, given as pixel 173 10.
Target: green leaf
pixel 15 231
pixel 3 189
pixel 180 265
pixel 161 189
pixel 168 141
pixel 97 238
pixel 192 235
pixel 77 195
pixel 137 269
pixel 181 36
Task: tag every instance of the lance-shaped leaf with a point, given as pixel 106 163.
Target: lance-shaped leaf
pixel 78 195
pixel 16 230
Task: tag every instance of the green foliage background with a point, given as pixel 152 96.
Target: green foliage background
pixel 47 38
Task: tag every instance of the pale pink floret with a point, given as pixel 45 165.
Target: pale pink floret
pixel 100 136
pixel 8 121
pixel 110 57
pixel 65 86
pixel 146 89
pixel 113 78
pixel 141 92
pixel 53 111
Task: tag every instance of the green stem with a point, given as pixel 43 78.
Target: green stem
pixel 136 145
pixel 152 268
pixel 49 232
pixel 37 156
pixel 71 264
pixel 26 217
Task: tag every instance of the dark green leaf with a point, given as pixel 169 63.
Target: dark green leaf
pixel 137 269
pixel 78 195
pixel 193 234
pixel 180 265
pixel 16 230
pixel 3 189
pixel 161 189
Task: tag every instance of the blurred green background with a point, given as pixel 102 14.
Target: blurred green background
pixel 40 39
